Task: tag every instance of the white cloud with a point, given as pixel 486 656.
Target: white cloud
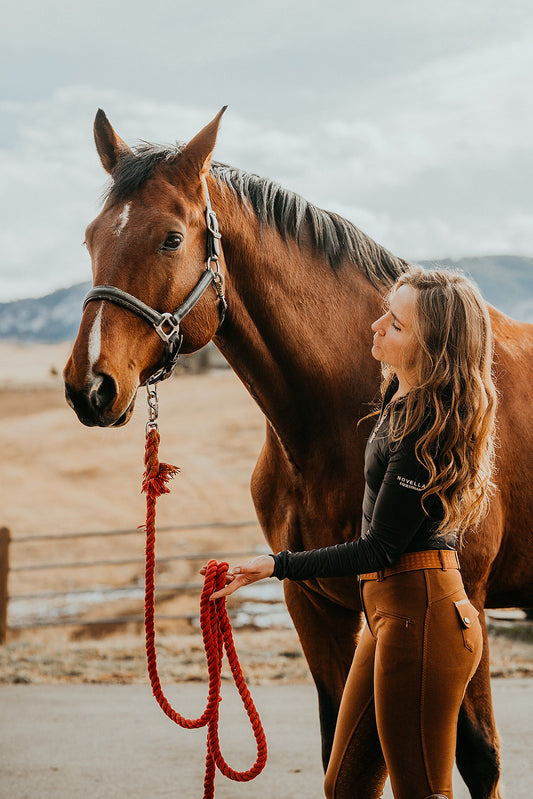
pixel 431 160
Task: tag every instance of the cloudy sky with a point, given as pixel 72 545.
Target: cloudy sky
pixel 413 118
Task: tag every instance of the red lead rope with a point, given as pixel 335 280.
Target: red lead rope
pixel 216 632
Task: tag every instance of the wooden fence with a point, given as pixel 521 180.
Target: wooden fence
pixel 4 571
pixel 7 543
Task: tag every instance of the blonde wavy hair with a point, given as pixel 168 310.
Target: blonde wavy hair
pixel 454 397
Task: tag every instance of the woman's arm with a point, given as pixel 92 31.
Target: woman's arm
pixel 397 515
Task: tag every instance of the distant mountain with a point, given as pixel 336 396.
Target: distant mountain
pixel 55 317
pixel 505 280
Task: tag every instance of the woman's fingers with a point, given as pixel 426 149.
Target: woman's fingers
pixel 229 575
pixel 229 589
pixel 257 569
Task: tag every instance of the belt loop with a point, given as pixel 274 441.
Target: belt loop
pixel 380 576
pixel 441 558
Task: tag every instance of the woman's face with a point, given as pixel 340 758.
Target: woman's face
pixel 394 341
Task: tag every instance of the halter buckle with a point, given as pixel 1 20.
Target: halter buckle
pixel 214 235
pixel 218 284
pixel 212 223
pixel 168 328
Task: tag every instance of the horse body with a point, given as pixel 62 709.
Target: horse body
pixel 510 580
pixel 301 298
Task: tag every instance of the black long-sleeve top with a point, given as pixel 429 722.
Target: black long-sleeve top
pixel 394 520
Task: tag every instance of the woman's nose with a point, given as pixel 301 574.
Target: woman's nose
pixel 377 326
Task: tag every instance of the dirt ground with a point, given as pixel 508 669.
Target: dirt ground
pixel 112 741
pixel 59 477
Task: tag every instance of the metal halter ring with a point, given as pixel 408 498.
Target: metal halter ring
pixel 172 326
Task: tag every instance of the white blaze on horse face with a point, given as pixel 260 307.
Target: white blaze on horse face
pixel 122 219
pixel 95 339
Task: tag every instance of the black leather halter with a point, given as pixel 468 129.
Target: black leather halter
pixel 167 325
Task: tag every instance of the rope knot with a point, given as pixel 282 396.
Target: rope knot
pixel 156 474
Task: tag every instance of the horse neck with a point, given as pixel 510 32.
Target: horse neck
pixel 297 333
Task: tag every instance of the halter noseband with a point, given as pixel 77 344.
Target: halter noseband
pixel 167 325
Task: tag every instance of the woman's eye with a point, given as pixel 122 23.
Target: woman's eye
pixel 399 329
pixel 172 241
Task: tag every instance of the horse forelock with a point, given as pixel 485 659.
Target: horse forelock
pixel 338 239
pixel 135 168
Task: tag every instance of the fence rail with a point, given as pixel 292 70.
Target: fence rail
pixel 110 620
pixel 84 564
pixel 159 589
pixel 177 528
pixel 7 541
pixel 4 571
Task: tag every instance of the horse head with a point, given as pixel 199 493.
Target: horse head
pixel 148 247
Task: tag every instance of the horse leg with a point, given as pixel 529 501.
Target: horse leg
pixel 329 633
pixel 478 746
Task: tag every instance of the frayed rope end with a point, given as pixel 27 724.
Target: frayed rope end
pixel 156 485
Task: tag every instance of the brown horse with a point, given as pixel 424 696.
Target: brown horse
pixel 302 287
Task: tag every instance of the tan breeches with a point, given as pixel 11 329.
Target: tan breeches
pixel 420 646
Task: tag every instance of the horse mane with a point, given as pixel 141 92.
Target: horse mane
pixel 335 237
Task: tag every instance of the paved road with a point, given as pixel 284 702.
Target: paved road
pixel 113 742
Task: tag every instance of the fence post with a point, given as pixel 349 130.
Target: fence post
pixel 4 569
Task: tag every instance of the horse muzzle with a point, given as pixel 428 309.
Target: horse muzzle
pixel 96 403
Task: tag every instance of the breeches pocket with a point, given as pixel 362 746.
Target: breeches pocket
pixel 401 618
pixel 467 616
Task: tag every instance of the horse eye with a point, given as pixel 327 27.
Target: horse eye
pixel 172 241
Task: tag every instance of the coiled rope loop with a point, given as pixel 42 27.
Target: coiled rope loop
pixel 216 633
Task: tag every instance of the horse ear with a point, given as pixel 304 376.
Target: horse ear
pixel 199 150
pixel 109 146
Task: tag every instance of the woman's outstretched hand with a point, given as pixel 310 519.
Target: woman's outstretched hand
pixel 251 572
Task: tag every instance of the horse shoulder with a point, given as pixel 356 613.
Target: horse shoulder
pixel 273 491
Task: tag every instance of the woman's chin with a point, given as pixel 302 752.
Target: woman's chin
pixel 376 353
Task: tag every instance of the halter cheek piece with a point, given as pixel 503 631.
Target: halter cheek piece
pixel 167 325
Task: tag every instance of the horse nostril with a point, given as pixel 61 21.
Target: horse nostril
pixel 69 393
pixel 103 392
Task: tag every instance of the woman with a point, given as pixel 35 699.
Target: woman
pixel 428 466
